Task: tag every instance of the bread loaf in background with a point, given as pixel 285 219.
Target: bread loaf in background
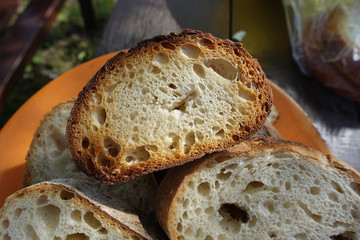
pixel 48 158
pixel 330 48
pixel 71 209
pixel 165 102
pixel 261 189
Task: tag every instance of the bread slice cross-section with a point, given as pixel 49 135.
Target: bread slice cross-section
pixel 165 102
pixel 261 189
pixel 71 209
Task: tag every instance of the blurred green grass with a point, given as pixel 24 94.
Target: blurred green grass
pixel 66 45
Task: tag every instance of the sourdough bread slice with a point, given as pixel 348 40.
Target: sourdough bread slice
pixel 70 209
pixel 48 158
pixel 167 101
pixel 262 189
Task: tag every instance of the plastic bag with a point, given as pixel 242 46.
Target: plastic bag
pixel 325 40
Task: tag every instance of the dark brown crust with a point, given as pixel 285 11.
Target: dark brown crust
pixel 312 55
pixel 171 185
pixel 86 162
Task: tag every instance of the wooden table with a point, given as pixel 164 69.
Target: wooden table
pixel 337 119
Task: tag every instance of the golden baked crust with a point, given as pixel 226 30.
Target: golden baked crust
pixel 144 129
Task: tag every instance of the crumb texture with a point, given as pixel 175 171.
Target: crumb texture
pixel 56 212
pixel 48 158
pixel 270 196
pixel 165 102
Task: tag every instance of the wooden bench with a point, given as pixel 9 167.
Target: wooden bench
pixel 19 42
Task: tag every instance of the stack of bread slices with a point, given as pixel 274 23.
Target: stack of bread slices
pixel 169 140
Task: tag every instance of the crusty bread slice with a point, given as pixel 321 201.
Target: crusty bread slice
pixel 261 189
pixel 167 101
pixel 70 209
pixel 341 39
pixel 48 158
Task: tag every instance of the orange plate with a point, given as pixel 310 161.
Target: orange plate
pixel 16 135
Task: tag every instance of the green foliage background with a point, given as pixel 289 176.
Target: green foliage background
pixel 67 45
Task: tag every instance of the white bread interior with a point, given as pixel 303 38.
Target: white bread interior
pixel 71 209
pixel 259 190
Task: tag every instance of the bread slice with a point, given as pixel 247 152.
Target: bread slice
pixel 68 209
pixel 341 39
pixel 262 189
pixel 317 64
pixel 48 158
pixel 167 101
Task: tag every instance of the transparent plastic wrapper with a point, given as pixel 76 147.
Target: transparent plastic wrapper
pixel 325 40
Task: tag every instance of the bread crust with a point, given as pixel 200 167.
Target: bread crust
pixel 172 184
pixel 114 214
pixel 113 170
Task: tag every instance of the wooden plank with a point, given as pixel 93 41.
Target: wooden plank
pixel 20 42
pixel 7 9
pixel 135 20
pixel 337 119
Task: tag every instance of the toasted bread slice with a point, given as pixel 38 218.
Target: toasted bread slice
pixel 261 189
pixel 48 158
pixel 69 209
pixel 167 101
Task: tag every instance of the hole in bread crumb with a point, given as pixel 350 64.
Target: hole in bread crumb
pixel 174 141
pixel 41 200
pixel 233 216
pixel 138 154
pixel 223 237
pixel 348 235
pixel 30 233
pixel 77 236
pixel 204 188
pixel 66 195
pixel 222 67
pixel 207 43
pixel 356 187
pixel 49 216
pixel 85 143
pixel 112 147
pixel 18 212
pixel 100 116
pixel 235 138
pixel 168 45
pixel 161 59
pixel 155 70
pixel 272 234
pixel 288 186
pixel 315 190
pixel 190 51
pixel 220 158
pixel 189 142
pixel 92 221
pixel 209 238
pixel 252 222
pixel 103 161
pixel 224 174
pixel 303 206
pixel 5 224
pixel 355 214
pixel 253 186
pixel 76 215
pixel 179 227
pixel 103 231
pixel 337 187
pixel 199 70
